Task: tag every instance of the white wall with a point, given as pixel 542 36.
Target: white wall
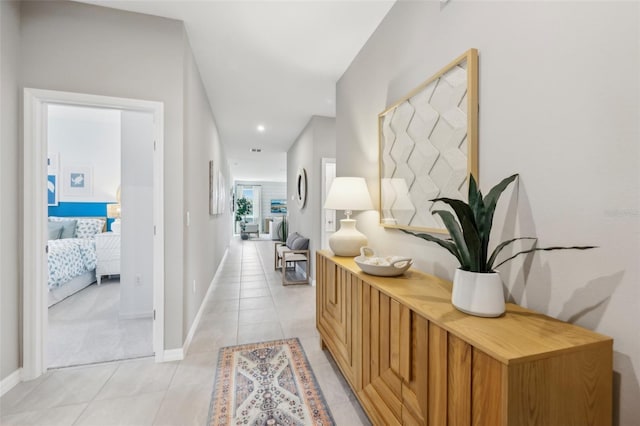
pixel 317 140
pixel 86 137
pixel 559 103
pixel 10 345
pixel 136 259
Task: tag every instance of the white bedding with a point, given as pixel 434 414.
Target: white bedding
pixel 69 258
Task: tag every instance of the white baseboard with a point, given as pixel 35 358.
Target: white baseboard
pixel 10 381
pixel 136 315
pixel 173 355
pixel 196 320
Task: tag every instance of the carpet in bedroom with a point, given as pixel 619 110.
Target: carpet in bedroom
pixel 85 328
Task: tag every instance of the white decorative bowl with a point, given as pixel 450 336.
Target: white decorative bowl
pixel 390 266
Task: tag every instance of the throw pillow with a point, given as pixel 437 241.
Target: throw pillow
pixel 68 228
pixel 55 229
pixel 301 243
pixel 88 228
pixel 291 238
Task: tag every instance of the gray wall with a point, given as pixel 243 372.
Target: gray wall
pixel 559 103
pixel 83 48
pixel 10 306
pixel 207 237
pixel 89 49
pixel 317 140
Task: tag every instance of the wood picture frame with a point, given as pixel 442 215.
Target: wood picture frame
pixel 428 146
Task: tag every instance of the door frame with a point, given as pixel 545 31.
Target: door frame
pixel 324 237
pixel 34 270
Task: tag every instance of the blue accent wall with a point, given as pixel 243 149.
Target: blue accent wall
pixel 81 209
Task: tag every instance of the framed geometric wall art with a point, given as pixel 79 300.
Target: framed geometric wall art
pixel 429 146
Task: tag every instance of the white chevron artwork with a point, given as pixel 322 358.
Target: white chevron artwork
pixel 425 147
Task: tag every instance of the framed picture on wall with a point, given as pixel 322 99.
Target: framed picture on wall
pixel 77 182
pixel 221 193
pixel 213 190
pixel 52 190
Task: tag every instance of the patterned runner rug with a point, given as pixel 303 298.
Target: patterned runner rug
pixel 268 383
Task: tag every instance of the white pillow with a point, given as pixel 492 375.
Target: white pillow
pixel 88 228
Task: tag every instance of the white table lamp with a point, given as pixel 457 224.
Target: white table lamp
pixel 348 194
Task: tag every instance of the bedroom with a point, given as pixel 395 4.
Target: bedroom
pixel 99 304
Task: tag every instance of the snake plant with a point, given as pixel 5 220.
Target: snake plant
pixel 470 229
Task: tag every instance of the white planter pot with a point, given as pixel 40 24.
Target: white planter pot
pixel 478 294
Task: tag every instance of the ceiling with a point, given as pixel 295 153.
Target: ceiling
pixel 269 63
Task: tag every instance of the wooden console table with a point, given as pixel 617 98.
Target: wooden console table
pixel 412 358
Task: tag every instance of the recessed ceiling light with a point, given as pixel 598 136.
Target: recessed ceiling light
pixel 255 150
pixel 260 128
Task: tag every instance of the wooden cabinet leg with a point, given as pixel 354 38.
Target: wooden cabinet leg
pixel 323 346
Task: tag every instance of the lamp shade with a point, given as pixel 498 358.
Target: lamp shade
pixel 113 211
pixel 348 193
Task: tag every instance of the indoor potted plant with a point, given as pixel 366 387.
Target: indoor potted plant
pixel 477 287
pixel 245 207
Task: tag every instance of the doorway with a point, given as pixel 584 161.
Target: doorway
pixel 253 193
pixel 35 231
pixel 100 305
pixel 328 218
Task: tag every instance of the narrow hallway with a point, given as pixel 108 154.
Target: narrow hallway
pixel 247 303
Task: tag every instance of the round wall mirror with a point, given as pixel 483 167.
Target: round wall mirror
pixel 301 188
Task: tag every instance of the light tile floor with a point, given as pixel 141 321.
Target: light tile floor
pixel 248 303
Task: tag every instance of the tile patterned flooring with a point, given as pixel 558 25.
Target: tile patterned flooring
pixel 247 303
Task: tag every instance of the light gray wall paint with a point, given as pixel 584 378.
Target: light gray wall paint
pixel 317 140
pixel 10 306
pixel 83 48
pixel 559 103
pixel 207 237
pixel 89 49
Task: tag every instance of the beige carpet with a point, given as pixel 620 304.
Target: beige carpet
pixel 85 329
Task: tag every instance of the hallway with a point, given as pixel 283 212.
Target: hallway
pixel 246 304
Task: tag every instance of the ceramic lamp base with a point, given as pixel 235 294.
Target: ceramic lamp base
pixel 478 294
pixel 348 240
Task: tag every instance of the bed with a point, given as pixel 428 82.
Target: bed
pixel 71 255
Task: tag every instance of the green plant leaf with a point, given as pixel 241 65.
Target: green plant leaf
pixel 545 249
pixel 501 246
pixel 485 217
pixel 470 232
pixel 448 245
pixel 457 235
pixel 491 200
pixel 475 196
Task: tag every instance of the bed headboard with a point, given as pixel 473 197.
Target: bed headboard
pixel 85 226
